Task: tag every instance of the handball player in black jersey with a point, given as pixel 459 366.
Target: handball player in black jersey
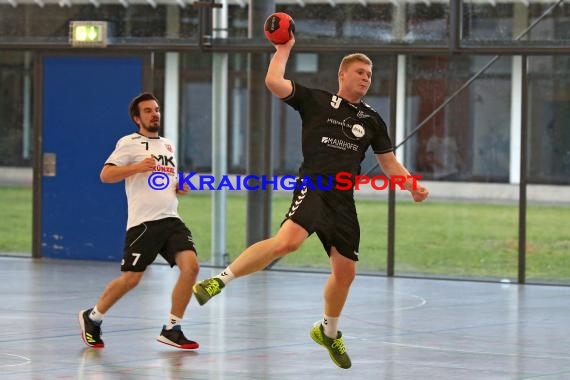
pixel 153 224
pixel 337 129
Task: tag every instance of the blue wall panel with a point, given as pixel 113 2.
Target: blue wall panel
pixel 85 111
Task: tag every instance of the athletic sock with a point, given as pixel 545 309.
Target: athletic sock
pixel 330 326
pixel 226 275
pixel 96 315
pixel 173 320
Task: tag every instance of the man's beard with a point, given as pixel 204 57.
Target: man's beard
pixel 152 128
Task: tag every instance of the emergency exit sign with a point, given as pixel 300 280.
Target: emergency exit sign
pixel 88 33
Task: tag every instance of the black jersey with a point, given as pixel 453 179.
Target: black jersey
pixel 336 133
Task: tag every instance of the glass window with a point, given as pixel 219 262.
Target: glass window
pixel 548 169
pixel 548 242
pixel 549 113
pixel 456 125
pixel 460 148
pixel 196 95
pixel 341 22
pixel 195 147
pixel 16 77
pixel 50 23
pixel 486 22
pixel 404 22
pixel 465 130
pixel 16 151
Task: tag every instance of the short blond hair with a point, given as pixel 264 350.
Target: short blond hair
pixel 354 57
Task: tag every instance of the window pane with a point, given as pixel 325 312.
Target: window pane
pixel 16 144
pixel 50 23
pixel 415 23
pixel 337 22
pixel 486 22
pixel 465 229
pixel 548 241
pixel 549 135
pixel 16 152
pixel 463 115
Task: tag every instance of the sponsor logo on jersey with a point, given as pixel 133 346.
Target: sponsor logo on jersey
pixel 164 160
pixel 350 128
pixel 165 164
pixel 338 143
pixel 358 130
pixel 164 169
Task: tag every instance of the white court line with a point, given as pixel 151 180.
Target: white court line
pixel 26 360
pixel 475 352
pixel 422 302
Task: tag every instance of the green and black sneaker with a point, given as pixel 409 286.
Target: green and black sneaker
pixel 90 330
pixel 335 347
pixel 206 289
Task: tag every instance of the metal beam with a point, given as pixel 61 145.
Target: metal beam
pixel 524 105
pixel 259 129
pixel 220 64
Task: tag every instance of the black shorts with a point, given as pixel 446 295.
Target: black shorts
pixel 331 214
pixel 144 242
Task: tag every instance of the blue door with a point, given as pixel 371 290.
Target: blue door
pixel 84 111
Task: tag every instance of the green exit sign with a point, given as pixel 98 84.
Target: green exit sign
pixel 88 33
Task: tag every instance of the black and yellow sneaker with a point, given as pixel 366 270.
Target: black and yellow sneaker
pixel 175 337
pixel 206 289
pixel 335 347
pixel 90 330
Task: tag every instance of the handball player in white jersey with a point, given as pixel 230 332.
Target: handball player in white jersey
pixel 337 129
pixel 153 225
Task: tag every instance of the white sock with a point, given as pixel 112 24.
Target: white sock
pixel 96 315
pixel 226 275
pixel 173 320
pixel 330 326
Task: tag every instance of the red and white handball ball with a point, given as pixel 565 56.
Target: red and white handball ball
pixel 279 28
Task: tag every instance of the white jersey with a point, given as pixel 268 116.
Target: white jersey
pixel 145 203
